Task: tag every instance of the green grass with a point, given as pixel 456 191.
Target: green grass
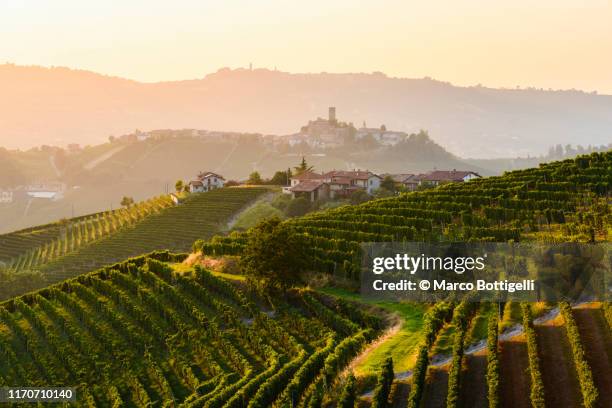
pixel 255 214
pixel 183 268
pixel 400 346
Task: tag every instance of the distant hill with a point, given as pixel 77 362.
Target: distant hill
pixel 59 105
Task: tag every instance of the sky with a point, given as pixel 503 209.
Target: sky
pixel 558 44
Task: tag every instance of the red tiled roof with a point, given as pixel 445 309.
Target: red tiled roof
pixel 307 186
pixel 308 175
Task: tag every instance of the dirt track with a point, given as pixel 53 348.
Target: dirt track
pixel 597 342
pixel 515 383
pixel 473 381
pixel 561 386
pixel 436 388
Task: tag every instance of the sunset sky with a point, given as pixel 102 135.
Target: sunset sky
pixel 543 43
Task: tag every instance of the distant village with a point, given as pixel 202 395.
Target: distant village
pixel 321 133
pixel 340 184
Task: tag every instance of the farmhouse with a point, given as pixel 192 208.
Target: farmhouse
pixel 206 181
pixel 333 184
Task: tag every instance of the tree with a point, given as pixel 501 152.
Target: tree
pixel 281 178
pixel 359 196
pixel 273 254
pixel 178 186
pixel 347 397
pixel 255 178
pixel 303 167
pixel 231 183
pixel 298 207
pixel 127 201
pixel 383 193
pixel 388 183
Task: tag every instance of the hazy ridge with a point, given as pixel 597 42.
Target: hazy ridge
pixel 60 106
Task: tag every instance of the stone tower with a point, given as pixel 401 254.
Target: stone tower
pixel 332 114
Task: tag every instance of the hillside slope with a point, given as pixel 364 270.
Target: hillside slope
pixel 138 334
pixel 77 246
pixel 58 105
pixel 153 331
pixel 557 202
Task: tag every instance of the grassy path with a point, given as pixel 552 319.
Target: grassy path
pixel 399 342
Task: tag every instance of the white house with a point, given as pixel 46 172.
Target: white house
pixel 206 181
pixel 363 179
pixel 6 197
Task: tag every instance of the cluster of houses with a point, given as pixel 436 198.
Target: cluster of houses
pixel 341 184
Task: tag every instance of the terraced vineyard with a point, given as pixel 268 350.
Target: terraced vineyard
pixel 146 332
pixel 87 243
pixel 140 334
pixel 557 202
pixel 28 249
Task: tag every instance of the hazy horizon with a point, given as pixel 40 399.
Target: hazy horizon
pixel 548 44
pixel 276 69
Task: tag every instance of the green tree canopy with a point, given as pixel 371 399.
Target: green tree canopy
pixel 281 178
pixel 298 207
pixel 127 201
pixel 178 186
pixel 255 178
pixel 274 255
pixel 359 196
pixel 388 183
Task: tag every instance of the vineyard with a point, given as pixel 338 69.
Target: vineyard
pixel 557 202
pixel 146 332
pixel 63 250
pixel 138 334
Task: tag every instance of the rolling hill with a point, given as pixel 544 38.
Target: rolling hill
pixel 59 106
pixel 61 250
pixel 155 330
